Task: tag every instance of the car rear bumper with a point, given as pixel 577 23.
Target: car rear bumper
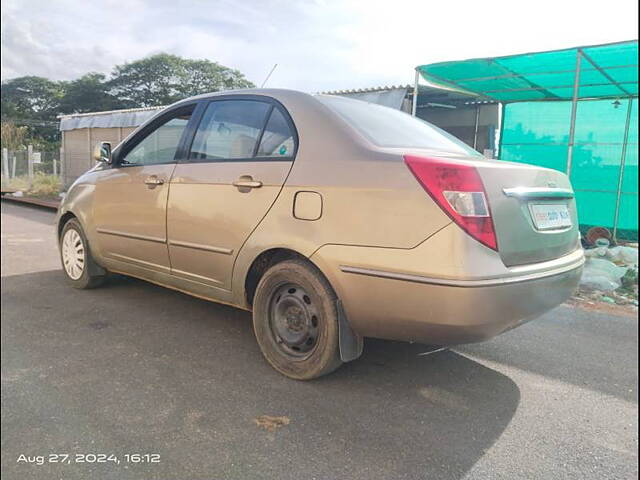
pixel 452 314
pixel 441 310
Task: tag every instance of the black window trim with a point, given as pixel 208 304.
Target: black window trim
pixel 267 117
pixel 275 104
pixel 163 117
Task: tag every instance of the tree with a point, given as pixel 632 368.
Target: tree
pixel 12 137
pixel 163 79
pixel 202 76
pixel 31 97
pixel 89 93
pixel 35 102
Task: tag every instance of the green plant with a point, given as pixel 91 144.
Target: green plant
pixel 630 282
pixel 41 185
pixel 11 136
pixel 18 183
pixel 44 185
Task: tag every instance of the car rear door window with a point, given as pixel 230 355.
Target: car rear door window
pixel 229 129
pixel 277 139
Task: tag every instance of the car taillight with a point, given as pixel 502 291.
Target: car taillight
pixel 458 190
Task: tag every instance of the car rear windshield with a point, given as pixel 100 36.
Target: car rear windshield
pixel 387 127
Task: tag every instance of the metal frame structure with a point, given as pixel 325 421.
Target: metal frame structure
pixel 527 87
pixel 456 100
pixel 574 112
pixel 623 158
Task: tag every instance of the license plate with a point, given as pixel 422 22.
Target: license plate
pixel 549 217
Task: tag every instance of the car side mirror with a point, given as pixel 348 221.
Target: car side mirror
pixel 102 152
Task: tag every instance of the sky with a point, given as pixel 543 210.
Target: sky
pixel 319 45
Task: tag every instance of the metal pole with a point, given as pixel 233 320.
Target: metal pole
pixel 414 106
pixel 30 161
pixel 574 110
pixel 55 168
pixel 475 131
pixel 268 76
pixel 498 136
pixel 5 162
pixel 13 167
pixel 63 162
pixel 621 175
pixel 89 148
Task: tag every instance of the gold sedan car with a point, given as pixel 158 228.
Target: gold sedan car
pixel 330 219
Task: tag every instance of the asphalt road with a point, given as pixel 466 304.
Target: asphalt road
pixel 132 368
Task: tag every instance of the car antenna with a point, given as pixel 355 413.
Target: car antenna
pixel 265 80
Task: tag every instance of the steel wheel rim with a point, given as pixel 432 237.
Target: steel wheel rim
pixel 294 321
pixel 73 254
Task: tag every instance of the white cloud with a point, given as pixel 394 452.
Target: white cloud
pixel 318 45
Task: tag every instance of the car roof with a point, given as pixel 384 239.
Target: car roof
pixel 281 94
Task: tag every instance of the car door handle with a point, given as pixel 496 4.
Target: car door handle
pixel 246 181
pixel 153 181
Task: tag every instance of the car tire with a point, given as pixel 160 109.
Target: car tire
pixel 295 319
pixel 78 265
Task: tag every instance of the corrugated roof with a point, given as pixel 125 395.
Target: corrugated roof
pixel 391 96
pixel 427 95
pixel 106 112
pixel 367 90
pixel 128 117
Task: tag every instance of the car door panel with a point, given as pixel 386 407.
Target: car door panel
pixel 222 191
pixel 209 218
pixel 131 215
pixel 131 197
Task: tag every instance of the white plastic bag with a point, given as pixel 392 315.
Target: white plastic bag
pixel 601 274
pixel 597 252
pixel 625 255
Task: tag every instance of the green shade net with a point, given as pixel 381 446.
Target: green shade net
pixel 537 133
pixel 537 90
pixel 605 71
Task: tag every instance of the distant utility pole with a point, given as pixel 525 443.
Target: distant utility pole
pixel 5 163
pixel 265 80
pixel 62 164
pixel 30 161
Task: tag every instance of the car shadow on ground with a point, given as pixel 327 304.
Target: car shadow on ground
pixel 134 366
pixel 549 346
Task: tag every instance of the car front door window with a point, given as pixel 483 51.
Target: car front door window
pixel 161 144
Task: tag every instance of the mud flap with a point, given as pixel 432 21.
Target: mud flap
pixel 351 344
pixel 93 267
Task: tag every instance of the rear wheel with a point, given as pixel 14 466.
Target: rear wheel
pixel 296 320
pixel 79 267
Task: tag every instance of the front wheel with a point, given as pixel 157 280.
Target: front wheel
pixel 295 319
pixel 79 267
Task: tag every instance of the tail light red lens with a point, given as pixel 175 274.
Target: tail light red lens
pixel 457 188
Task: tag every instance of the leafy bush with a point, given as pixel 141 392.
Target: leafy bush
pixel 16 183
pixel 630 282
pixel 45 185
